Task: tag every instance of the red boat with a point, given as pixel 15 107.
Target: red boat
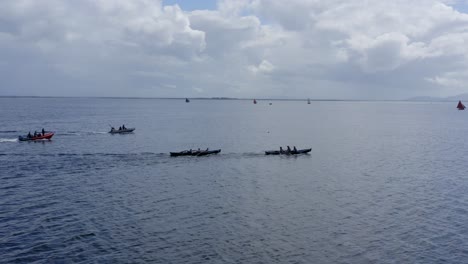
pixel 47 135
pixel 460 106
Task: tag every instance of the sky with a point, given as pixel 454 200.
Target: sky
pixel 318 49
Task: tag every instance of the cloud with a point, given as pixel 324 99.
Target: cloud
pixel 264 67
pixel 299 48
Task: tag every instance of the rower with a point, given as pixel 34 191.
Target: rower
pixel 29 134
pixel 43 132
pixel 289 150
pixel 123 127
pixel 120 128
pixel 294 148
pixel 281 150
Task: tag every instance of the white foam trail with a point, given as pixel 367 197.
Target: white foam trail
pixel 69 134
pixel 8 140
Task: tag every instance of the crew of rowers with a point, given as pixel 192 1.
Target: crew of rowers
pixel 196 151
pixel 36 134
pixel 288 150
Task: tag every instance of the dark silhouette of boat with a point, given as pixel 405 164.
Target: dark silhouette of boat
pixel 187 100
pixel 121 131
pixel 308 100
pixel 255 101
pixel 194 152
pixel 460 106
pixel 288 152
pixel 209 152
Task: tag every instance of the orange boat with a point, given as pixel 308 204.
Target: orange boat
pixel 47 135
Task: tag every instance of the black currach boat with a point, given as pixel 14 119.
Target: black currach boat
pixel 286 152
pixel 195 152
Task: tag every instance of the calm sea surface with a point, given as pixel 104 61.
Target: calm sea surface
pixel 386 182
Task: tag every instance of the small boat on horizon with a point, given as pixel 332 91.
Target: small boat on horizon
pixel 255 101
pixel 187 100
pixel 308 100
pixel 461 106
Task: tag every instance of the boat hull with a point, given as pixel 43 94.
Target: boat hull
pixel 209 152
pixel 292 152
pixel 194 153
pixel 122 131
pixel 46 136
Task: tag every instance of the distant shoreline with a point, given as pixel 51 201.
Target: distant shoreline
pixel 229 98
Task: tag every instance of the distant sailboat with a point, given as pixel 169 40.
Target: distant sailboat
pixel 255 101
pixel 308 100
pixel 460 106
pixel 187 100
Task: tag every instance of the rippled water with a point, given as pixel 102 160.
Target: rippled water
pixel 385 182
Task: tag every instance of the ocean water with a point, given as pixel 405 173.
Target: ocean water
pixel 386 182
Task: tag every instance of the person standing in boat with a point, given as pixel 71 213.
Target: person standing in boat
pixel 123 127
pixel 29 134
pixel 43 132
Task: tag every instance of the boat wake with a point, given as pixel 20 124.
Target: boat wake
pixel 69 134
pixel 3 140
pixel 97 132
pixel 80 133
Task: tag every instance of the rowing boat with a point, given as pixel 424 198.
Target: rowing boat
pixel 285 152
pixel 194 152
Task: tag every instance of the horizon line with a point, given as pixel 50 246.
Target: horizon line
pixel 235 98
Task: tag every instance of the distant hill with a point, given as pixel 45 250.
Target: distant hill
pixel 424 98
pixel 455 98
pixel 463 97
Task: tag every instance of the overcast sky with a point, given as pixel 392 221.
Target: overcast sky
pixel 367 49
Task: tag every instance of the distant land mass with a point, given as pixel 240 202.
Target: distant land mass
pixel 462 97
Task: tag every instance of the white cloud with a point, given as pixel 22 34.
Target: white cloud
pixel 297 48
pixel 264 67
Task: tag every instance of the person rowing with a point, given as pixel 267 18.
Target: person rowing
pixel 29 134
pixel 123 127
pixel 43 132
